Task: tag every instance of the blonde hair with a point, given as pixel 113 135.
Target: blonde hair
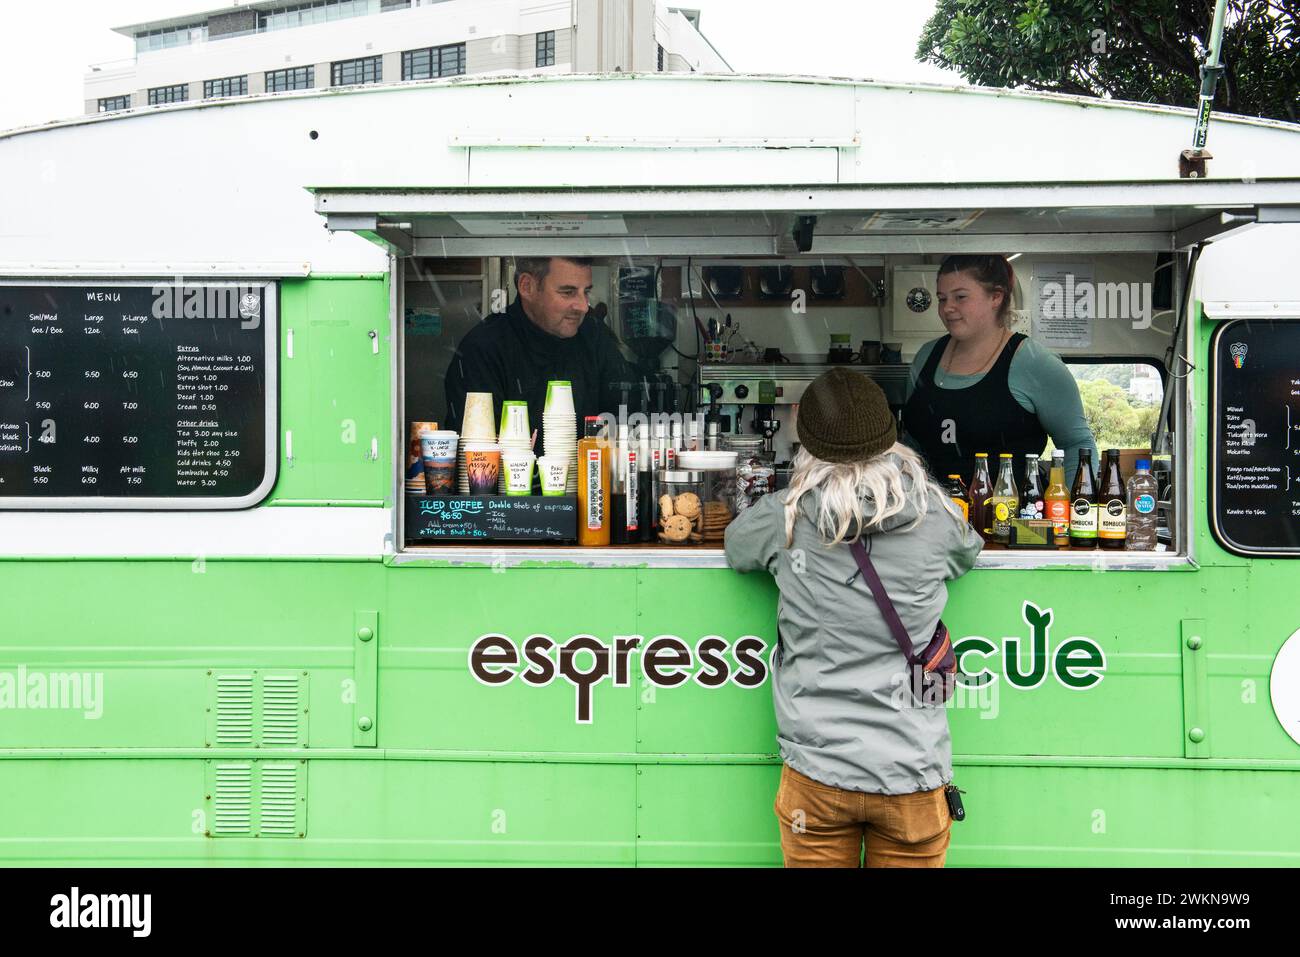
pixel 843 485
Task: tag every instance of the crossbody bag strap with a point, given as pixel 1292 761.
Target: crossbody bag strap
pixel 882 600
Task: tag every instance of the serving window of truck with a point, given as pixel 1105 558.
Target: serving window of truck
pixel 137 394
pixel 725 304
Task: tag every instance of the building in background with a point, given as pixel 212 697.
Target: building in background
pixel 278 47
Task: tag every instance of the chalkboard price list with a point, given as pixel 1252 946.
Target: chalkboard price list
pixel 1257 435
pixel 105 395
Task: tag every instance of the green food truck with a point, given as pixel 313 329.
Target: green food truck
pixel 241 632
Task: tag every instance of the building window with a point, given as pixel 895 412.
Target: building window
pixel 293 78
pixel 308 14
pixel 110 103
pixel 661 58
pixel 170 37
pixel 169 94
pixel 546 48
pixel 433 62
pixel 226 86
pixel 369 69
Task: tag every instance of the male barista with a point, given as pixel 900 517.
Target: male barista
pixel 544 334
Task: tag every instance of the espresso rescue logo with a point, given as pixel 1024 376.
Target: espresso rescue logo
pixel 584 661
pixel 1024 663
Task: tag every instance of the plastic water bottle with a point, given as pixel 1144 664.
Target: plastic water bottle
pixel 1141 522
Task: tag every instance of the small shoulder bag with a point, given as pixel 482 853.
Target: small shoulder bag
pixel 933 673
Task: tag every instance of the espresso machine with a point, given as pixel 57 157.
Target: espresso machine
pixel 764 399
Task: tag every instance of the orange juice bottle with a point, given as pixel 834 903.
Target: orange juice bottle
pixel 594 456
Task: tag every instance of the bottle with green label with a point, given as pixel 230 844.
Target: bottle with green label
pixel 1005 500
pixel 1083 504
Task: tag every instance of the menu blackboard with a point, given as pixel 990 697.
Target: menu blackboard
pixel 129 395
pixel 1255 436
pixel 492 518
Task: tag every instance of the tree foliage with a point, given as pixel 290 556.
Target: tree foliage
pixel 1115 420
pixel 1149 51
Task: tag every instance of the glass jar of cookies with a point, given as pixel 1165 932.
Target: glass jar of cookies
pixel 719 504
pixel 680 510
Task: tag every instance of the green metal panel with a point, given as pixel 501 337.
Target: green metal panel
pixel 335 411
pixel 433 617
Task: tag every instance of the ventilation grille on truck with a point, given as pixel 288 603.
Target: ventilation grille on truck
pixel 252 709
pixel 256 798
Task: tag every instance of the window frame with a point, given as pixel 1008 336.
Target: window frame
pixel 362 63
pixel 454 51
pixel 227 88
pixel 545 49
pixel 106 103
pixel 156 97
pixel 272 83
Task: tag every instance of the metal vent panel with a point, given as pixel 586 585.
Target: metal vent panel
pixel 255 709
pixel 232 799
pixel 234 710
pixel 256 799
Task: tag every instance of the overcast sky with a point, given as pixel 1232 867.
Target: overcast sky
pixel 46 48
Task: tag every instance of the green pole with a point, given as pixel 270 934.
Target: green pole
pixel 1210 77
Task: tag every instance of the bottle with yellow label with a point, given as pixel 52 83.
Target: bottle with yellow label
pixel 1004 501
pixel 593 485
pixel 956 490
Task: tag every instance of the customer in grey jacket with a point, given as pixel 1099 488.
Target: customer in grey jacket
pixel 864 760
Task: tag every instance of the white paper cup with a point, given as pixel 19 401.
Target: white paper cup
pixel 559 398
pixel 555 474
pixel 478 421
pixel 518 470
pixel 440 444
pixel 514 423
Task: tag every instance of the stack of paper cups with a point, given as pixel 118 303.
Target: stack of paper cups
pixel 560 428
pixel 414 462
pixel 476 428
pixel 515 434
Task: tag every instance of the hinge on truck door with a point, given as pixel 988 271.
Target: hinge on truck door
pixel 1196 705
pixel 365 671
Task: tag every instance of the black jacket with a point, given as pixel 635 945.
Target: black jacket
pixel 509 356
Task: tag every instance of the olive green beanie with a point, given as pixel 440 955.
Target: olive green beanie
pixel 845 417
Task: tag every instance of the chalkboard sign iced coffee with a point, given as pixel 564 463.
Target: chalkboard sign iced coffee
pixel 137 395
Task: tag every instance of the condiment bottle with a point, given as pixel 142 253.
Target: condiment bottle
pixel 647 485
pixel 981 487
pixel 1083 504
pixel 594 456
pixel 625 501
pixel 1057 501
pixel 1112 505
pixel 1005 500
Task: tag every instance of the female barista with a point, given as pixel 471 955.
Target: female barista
pixel 983 388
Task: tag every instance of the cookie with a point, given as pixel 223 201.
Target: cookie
pixel 688 504
pixel 665 506
pixel 677 528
